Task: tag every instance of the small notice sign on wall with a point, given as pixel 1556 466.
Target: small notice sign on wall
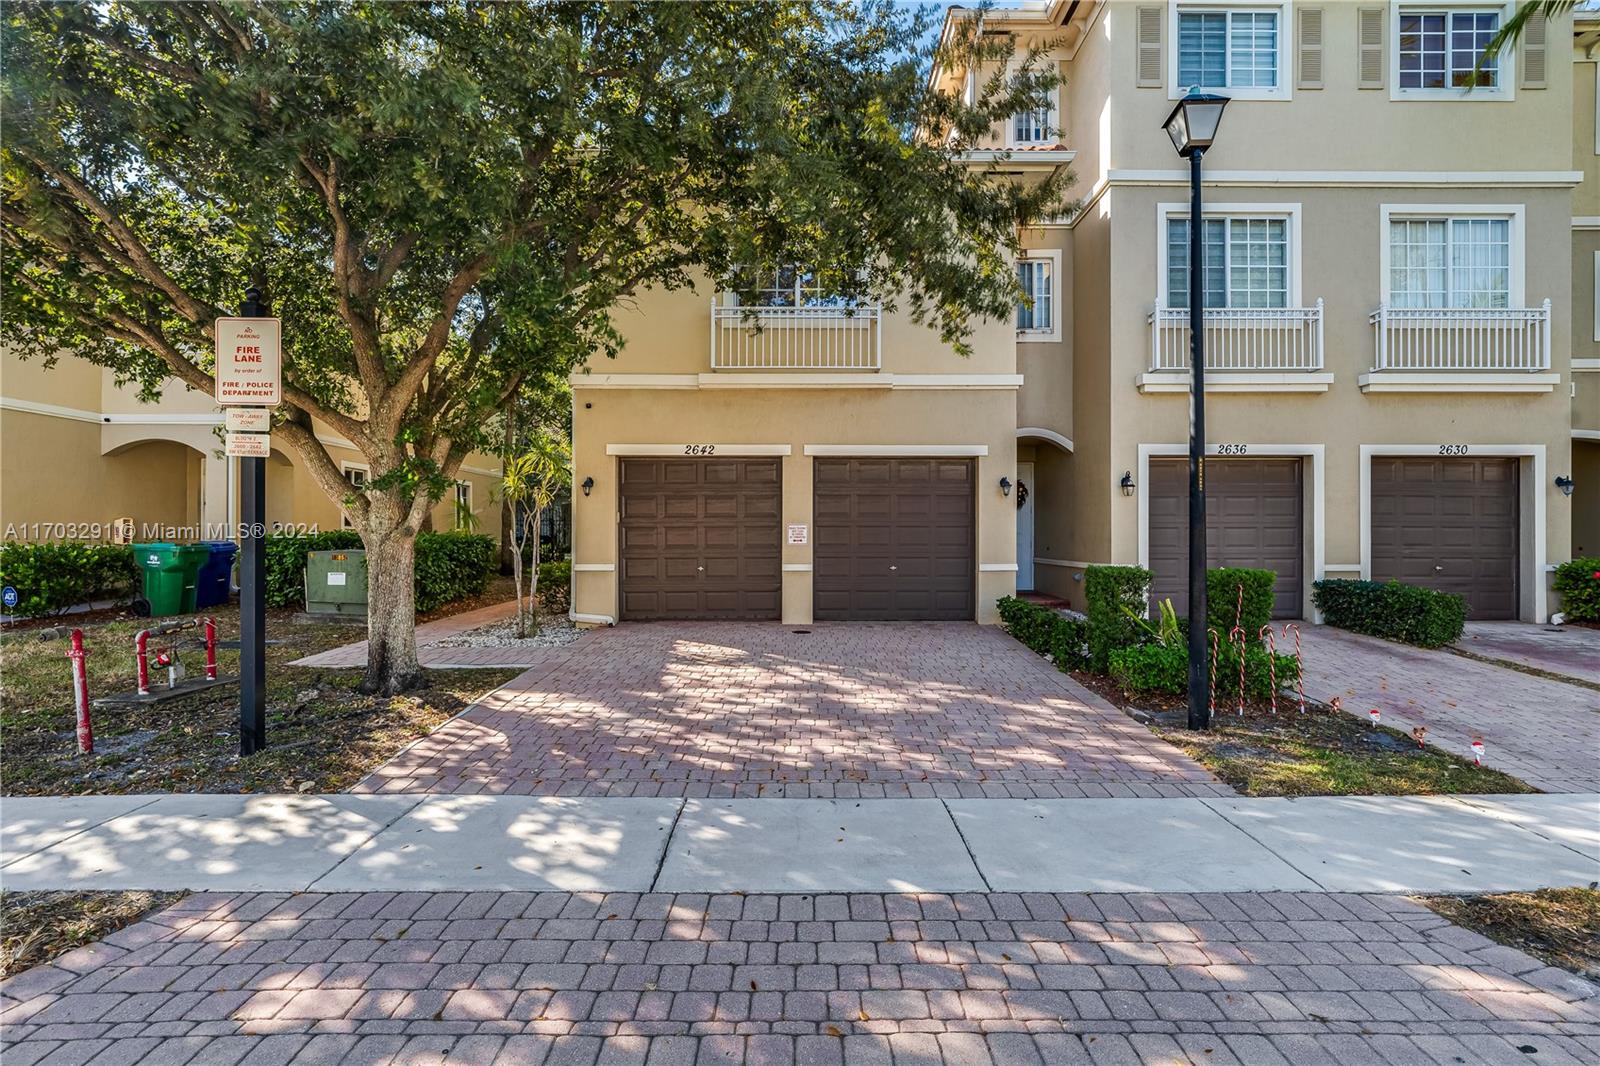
pixel 797 534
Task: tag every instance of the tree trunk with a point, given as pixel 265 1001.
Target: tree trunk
pixel 392 664
pixel 507 549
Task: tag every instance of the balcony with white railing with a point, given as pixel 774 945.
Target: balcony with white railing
pixel 1247 349
pixel 1462 349
pixel 824 338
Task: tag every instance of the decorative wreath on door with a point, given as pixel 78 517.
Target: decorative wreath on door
pixel 1022 493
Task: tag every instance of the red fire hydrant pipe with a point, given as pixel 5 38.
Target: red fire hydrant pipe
pixel 211 649
pixel 141 653
pixel 80 692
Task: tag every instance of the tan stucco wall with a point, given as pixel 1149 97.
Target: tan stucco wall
pixel 795 418
pixel 1045 400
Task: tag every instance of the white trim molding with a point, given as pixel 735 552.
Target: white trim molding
pixel 997 568
pixel 1586 434
pixel 797 568
pixel 1420 178
pixel 1237 381
pixel 1585 366
pixel 904 451
pixel 1064 443
pixel 796 380
pixel 1586 221
pixel 1446 381
pixel 48 410
pixel 684 450
pixel 1072 564
pixel 1531 489
pixel 593 568
pixel 1316 483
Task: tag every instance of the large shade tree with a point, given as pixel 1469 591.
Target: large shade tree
pixel 444 200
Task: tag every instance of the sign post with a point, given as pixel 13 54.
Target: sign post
pixel 249 375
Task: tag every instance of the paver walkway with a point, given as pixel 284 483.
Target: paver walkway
pixel 1571 651
pixel 858 980
pixel 762 710
pixel 431 655
pixel 1545 732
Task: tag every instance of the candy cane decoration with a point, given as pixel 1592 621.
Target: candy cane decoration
pixel 1299 663
pixel 1238 610
pixel 1213 709
pixel 1375 716
pixel 1477 751
pixel 1272 665
pixel 1238 632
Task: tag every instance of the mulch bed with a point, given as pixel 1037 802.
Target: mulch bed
pixel 36 927
pixel 1560 926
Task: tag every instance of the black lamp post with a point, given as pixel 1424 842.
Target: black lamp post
pixel 1192 127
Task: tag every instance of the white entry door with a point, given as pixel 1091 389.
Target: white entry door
pixel 1026 498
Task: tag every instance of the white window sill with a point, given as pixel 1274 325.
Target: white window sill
pixel 1501 94
pixel 1038 336
pixel 1238 381
pixel 1447 381
pixel 1258 94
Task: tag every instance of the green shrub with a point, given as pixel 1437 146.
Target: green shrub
pixel 449 566
pixel 1165 668
pixel 1392 610
pixel 1222 600
pixel 555 586
pixel 53 575
pixel 1578 582
pixel 1047 632
pixel 1107 590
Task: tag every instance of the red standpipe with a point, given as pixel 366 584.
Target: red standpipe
pixel 80 692
pixel 211 649
pixel 141 653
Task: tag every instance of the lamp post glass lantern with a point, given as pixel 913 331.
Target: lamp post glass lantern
pixel 1193 127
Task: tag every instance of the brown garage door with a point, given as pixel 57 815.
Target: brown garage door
pixel 1448 524
pixel 1253 518
pixel 894 540
pixel 700 538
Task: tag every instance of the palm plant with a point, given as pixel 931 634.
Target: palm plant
pixel 531 482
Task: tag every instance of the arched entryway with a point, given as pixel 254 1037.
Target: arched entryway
pixel 1041 455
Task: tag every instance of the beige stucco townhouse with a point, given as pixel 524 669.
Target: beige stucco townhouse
pixel 1391 392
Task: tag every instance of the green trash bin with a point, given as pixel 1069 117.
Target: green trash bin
pixel 170 575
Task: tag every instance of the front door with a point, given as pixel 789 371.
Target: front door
pixel 1025 502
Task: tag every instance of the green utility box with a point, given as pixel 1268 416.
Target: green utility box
pixel 170 573
pixel 336 583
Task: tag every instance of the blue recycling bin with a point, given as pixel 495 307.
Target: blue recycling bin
pixel 212 584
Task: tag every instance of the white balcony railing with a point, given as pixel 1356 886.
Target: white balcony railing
pixel 1276 339
pixel 796 338
pixel 1465 339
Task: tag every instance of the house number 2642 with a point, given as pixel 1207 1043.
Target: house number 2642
pixel 699 449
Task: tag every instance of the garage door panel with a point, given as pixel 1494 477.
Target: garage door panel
pixel 1253 519
pixel 700 538
pixel 1456 530
pixel 901 549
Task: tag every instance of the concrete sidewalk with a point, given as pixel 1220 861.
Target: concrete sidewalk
pixel 352 843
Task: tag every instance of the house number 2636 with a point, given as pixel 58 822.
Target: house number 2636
pixel 699 449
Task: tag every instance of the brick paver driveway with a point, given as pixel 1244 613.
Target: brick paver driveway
pixel 1543 731
pixel 862 980
pixel 834 711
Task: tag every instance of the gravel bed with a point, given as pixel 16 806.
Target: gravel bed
pixel 503 634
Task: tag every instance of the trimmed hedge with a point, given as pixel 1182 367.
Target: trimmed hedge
pixel 1046 631
pixel 1222 600
pixel 1578 582
pixel 1107 590
pixel 1165 668
pixel 449 566
pixel 555 586
pixel 1392 610
pixel 53 575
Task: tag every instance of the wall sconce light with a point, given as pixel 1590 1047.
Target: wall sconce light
pixel 1127 483
pixel 588 485
pixel 1005 486
pixel 1565 484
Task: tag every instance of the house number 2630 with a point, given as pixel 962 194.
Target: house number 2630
pixel 699 449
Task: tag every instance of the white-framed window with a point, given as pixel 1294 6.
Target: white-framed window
pixel 793 285
pixel 463 503
pixel 1239 49
pixel 1039 314
pixel 1435 48
pixel 1035 126
pixel 1452 255
pixel 1597 297
pixel 357 474
pixel 1250 255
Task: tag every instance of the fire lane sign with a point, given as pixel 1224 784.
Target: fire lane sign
pixel 249 369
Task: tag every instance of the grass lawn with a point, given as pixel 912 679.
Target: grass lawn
pixel 35 927
pixel 322 734
pixel 1560 926
pixel 1319 753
